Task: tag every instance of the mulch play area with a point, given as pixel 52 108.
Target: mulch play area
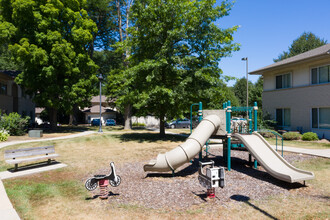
pixel 162 191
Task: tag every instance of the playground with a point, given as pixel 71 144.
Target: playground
pixel 61 193
pixel 250 192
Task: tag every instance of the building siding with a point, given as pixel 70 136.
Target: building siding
pixel 300 101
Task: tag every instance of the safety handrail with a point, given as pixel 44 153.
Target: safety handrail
pixel 276 135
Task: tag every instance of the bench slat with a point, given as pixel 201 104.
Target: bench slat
pixel 25 152
pixel 17 161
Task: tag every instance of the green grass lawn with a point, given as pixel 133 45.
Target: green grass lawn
pixel 300 144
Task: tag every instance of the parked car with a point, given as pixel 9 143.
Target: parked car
pixel 95 122
pixel 179 123
pixel 110 122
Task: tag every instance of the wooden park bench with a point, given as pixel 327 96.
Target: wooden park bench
pixel 17 156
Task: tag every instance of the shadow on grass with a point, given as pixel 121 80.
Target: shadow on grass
pixel 33 166
pixel 245 199
pixel 148 137
pixel 97 196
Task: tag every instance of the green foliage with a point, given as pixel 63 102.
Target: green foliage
pixel 239 89
pixel 267 134
pixel 291 136
pixel 256 93
pixel 6 61
pixel 309 136
pixel 307 41
pixel 51 39
pixel 3 135
pixel 136 124
pixel 175 50
pixel 14 123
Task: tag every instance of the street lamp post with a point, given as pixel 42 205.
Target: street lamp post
pixel 247 90
pixel 100 79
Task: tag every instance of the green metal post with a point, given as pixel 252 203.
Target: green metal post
pixel 250 122
pixel 228 121
pixel 255 164
pixel 255 109
pixel 224 148
pixel 200 118
pixel 191 116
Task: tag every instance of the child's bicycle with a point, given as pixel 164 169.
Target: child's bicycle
pixel 114 180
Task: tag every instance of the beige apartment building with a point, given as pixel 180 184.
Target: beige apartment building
pixel 12 96
pixel 296 92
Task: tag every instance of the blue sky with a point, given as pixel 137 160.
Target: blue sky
pixel 268 27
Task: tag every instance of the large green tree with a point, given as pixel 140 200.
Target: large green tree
pixel 175 50
pixel 113 19
pixel 305 42
pixel 239 90
pixel 51 39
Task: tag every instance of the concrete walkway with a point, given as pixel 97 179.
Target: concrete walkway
pixel 7 211
pixel 5 144
pixel 314 152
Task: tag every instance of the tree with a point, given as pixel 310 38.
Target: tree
pixel 307 41
pixel 51 39
pixel 256 92
pixel 113 19
pixel 6 61
pixel 175 50
pixel 239 89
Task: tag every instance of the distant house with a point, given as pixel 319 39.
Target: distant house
pixel 13 97
pixel 94 111
pixel 296 91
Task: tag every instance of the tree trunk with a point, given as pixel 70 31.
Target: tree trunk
pixel 127 117
pixel 162 125
pixel 53 118
pixel 74 115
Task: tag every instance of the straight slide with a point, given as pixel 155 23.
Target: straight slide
pixel 185 152
pixel 271 161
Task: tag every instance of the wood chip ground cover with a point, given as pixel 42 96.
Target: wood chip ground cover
pixel 183 192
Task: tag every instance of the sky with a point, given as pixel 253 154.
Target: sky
pixel 268 27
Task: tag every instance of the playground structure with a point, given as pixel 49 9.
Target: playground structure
pixel 235 135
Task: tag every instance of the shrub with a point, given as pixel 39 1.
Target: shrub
pixel 136 124
pixel 3 135
pixel 267 134
pixel 14 123
pixel 309 136
pixel 291 136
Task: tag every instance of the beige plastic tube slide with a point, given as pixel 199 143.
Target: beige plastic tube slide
pixel 269 159
pixel 185 152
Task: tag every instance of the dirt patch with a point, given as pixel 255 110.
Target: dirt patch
pixel 162 191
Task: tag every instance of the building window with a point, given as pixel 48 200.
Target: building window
pixel 320 74
pixel 321 118
pixel 283 117
pixel 283 81
pixel 3 88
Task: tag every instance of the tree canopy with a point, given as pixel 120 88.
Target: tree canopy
pixel 175 49
pixel 305 42
pixel 51 39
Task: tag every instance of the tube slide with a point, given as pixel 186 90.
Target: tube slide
pixel 271 161
pixel 185 152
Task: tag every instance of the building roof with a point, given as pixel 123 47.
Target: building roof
pixel 96 109
pixel 317 52
pixel 10 73
pixel 97 99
